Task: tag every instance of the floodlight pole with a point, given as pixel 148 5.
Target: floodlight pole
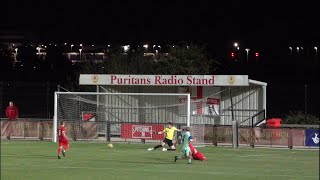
pixel 98 96
pixel 231 106
pixel 306 102
pixel 235 142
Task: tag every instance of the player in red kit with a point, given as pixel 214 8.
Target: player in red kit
pixel 197 155
pixel 63 140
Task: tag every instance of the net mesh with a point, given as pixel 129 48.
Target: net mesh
pixel 95 116
pixel 134 116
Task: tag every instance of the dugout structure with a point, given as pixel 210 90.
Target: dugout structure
pixel 214 100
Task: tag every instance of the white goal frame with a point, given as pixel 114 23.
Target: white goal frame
pixel 55 117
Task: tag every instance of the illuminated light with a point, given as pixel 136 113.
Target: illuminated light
pixel 232 54
pixel 146 46
pixel 126 48
pixel 257 54
pixel 236 44
pixel 316 48
pixel 108 45
pixel 238 48
pixel 159 46
pixel 81 45
pixel 92 45
pixel 65 43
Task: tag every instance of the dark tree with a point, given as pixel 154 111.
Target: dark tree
pixel 185 59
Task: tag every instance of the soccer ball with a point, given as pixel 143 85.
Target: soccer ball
pixel 110 146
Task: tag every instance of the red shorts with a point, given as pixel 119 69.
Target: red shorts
pixel 63 143
pixel 199 156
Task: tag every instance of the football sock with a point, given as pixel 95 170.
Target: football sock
pixel 189 161
pixel 66 148
pixel 157 146
pixel 171 149
pixel 59 150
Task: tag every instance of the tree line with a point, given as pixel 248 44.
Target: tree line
pixel 183 58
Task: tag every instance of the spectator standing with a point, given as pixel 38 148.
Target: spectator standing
pixel 12 113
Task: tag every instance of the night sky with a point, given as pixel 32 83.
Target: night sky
pixel 268 26
pixel 256 21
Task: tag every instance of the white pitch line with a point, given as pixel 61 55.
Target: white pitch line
pixel 155 170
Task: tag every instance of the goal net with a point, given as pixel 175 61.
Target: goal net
pixel 130 117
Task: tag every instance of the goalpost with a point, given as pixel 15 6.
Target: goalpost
pixel 128 116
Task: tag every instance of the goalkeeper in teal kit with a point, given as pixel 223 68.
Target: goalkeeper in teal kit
pixel 186 152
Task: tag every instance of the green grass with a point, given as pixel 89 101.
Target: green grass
pixel 37 160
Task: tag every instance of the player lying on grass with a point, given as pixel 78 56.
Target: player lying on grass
pixel 186 152
pixel 197 155
pixel 169 133
pixel 63 140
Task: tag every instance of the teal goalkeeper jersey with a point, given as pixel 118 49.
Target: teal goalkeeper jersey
pixel 185 139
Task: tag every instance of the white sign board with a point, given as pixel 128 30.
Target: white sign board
pixel 164 80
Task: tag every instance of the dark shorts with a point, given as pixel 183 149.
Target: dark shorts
pixel 168 141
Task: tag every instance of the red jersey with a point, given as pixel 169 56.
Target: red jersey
pixel 197 155
pixel 192 148
pixel 12 112
pixel 60 134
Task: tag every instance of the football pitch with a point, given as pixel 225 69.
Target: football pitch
pixel 85 160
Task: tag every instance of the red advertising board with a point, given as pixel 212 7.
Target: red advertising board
pixel 141 131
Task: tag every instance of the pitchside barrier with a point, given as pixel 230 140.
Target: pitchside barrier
pixel 41 129
pixel 26 128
